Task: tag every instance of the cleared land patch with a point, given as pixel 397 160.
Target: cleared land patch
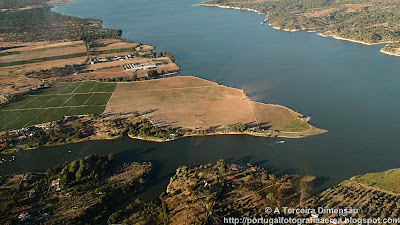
pixel 51 104
pixel 49 50
pixel 194 103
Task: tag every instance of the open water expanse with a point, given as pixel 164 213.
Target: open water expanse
pixel 350 89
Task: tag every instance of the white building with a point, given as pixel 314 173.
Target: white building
pixel 143 66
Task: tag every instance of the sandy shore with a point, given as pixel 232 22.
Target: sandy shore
pixel 352 40
pixel 228 7
pixel 389 53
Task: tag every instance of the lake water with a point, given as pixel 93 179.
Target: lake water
pixel 350 89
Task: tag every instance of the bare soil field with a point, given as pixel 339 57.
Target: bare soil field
pixel 194 103
pixel 42 65
pixel 33 50
pixel 13 79
pixel 102 73
pixel 112 44
pixel 35 45
pixel 117 44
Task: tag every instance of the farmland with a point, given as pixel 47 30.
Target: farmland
pixel 46 105
pixel 197 104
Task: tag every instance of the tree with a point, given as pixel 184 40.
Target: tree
pixel 113 219
pixel 153 74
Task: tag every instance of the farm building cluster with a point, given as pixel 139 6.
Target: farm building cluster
pixel 106 59
pixel 142 66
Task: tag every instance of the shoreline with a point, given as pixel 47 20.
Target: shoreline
pixel 270 134
pixel 281 134
pixel 228 7
pixel 310 31
pixel 352 40
pixel 389 53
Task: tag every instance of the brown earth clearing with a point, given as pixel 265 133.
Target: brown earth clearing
pixel 194 103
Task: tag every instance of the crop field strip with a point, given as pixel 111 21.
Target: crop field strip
pixel 51 104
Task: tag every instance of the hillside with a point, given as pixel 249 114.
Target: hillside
pixel 375 195
pixel 366 21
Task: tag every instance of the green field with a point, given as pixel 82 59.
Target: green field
pixel 57 101
pixel 77 100
pixel 51 91
pixel 23 119
pixel 37 102
pixel 52 104
pixel 70 88
pixel 49 115
pixel 85 87
pixel 85 110
pixel 388 180
pixel 98 99
pixel 104 87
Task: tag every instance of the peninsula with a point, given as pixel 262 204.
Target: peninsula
pixel 83 82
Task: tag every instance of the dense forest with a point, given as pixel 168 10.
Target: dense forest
pixel 40 23
pixel 370 21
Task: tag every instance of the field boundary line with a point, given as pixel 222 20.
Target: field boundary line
pixel 72 92
pixel 35 117
pixel 27 103
pixel 13 120
pixel 4 114
pixel 53 107
pixel 88 98
pixel 67 99
pixel 167 89
pixel 251 108
pixel 63 89
pixel 95 83
pixel 112 94
pixel 67 111
pixel 47 101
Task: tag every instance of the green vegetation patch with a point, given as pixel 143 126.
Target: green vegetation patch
pixel 118 50
pixel 388 180
pixel 13 63
pixel 9 117
pixel 104 87
pixel 18 104
pixel 295 126
pixel 99 99
pixel 49 115
pixel 25 118
pixel 77 100
pixel 57 101
pixel 70 88
pixel 50 91
pixel 86 110
pixel 363 20
pixel 42 24
pixel 37 102
pixel 85 87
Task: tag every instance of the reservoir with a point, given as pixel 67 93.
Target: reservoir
pixel 350 89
